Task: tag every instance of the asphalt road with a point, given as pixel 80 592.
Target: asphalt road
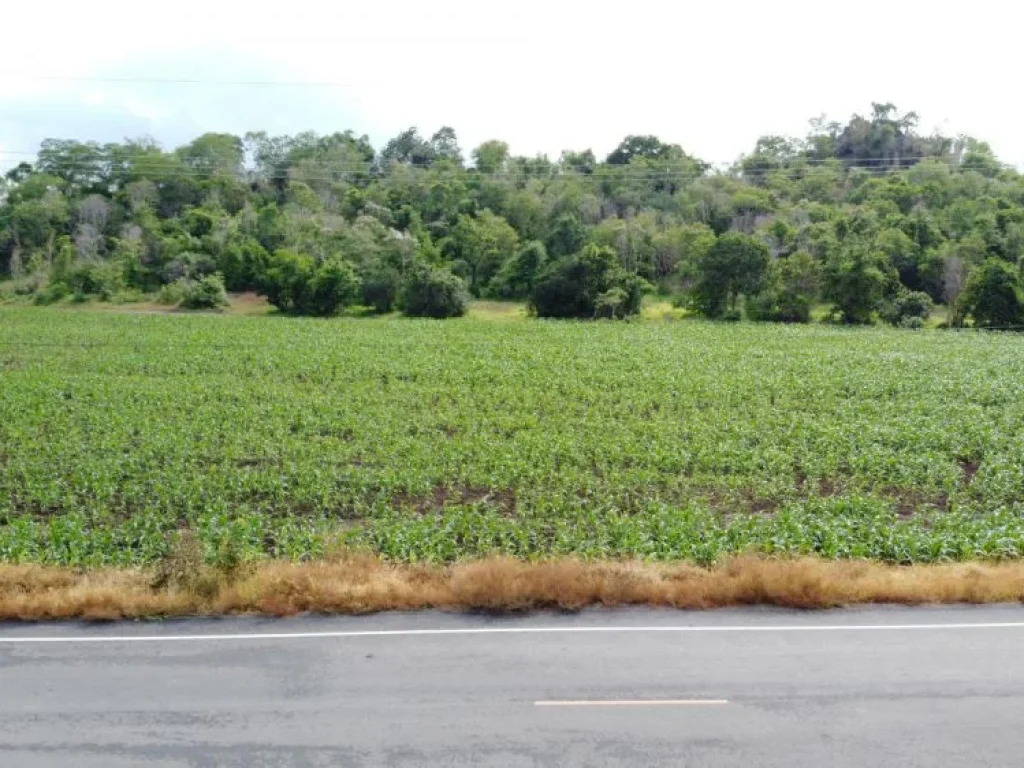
pixel 874 687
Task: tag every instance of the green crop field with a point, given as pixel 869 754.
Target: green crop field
pixel 434 441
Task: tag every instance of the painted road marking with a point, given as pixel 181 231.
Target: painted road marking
pixel 340 634
pixel 633 703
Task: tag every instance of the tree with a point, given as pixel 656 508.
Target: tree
pixel 993 295
pixel 207 293
pixel 214 153
pixel 491 156
pixel 333 285
pixel 736 264
pixel 633 147
pixel 910 309
pixel 433 292
pixel 855 281
pixel 580 286
pixel 445 144
pixel 407 148
pixel 791 288
pixel 479 246
pixel 516 277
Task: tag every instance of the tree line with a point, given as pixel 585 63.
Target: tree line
pixel 869 217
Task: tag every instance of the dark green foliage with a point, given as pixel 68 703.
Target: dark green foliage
pixel 855 281
pixel 381 288
pixel 333 285
pixel 736 264
pixel 296 284
pixel 580 285
pixel 517 276
pixel 993 296
pixel 908 309
pixel 102 279
pixel 792 286
pixel 206 293
pixel 433 292
pixel 880 210
pixel 242 263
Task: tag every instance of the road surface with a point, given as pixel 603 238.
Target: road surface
pixel 871 687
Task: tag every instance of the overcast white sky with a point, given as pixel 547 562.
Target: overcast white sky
pixel 542 75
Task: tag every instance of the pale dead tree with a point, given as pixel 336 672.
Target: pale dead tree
pixel 95 211
pixel 954 277
pixel 140 194
pixel 15 265
pixel 87 242
pixel 248 219
pixel 131 231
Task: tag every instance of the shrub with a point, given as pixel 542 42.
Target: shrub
pixel 53 292
pixel 736 264
pixel 174 293
pixel 102 279
pixel 333 285
pixel 285 278
pixel 907 307
pixel 574 286
pixel 855 281
pixel 207 293
pixel 434 292
pixel 516 277
pixel 993 295
pixel 381 288
pixel 295 283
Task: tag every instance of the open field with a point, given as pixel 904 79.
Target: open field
pixel 426 441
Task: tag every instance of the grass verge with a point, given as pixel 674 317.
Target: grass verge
pixel 356 585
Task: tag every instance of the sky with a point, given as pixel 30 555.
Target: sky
pixel 542 75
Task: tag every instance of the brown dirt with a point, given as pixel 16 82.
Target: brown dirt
pixel 969 470
pixel 442 496
pixel 354 585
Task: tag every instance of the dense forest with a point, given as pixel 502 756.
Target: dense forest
pixel 871 218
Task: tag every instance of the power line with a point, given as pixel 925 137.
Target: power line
pixel 860 162
pixel 188 81
pixel 605 174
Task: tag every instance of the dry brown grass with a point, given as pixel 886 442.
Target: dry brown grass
pixel 355 585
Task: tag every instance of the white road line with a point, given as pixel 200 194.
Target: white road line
pixel 634 703
pixel 504 631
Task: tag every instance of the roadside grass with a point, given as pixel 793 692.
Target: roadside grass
pixel 357 584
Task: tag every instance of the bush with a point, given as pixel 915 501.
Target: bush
pixel 907 307
pixel 993 296
pixel 53 292
pixel 102 279
pixel 174 293
pixel 381 288
pixel 855 281
pixel 792 286
pixel 736 264
pixel 334 285
pixel 583 285
pixel 296 284
pixel 207 293
pixel 434 292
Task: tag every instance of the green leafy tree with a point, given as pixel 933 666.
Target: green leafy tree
pixel 516 277
pixel 433 292
pixel 491 156
pixel 736 264
pixel 333 285
pixel 574 287
pixel 206 293
pixel 993 295
pixel 792 286
pixel 855 281
pixel 479 246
